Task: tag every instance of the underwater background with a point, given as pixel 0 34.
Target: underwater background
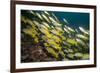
pixel 54 36
pixel 75 19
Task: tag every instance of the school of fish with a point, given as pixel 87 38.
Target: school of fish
pixel 59 40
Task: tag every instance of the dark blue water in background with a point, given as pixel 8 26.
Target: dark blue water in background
pixel 75 19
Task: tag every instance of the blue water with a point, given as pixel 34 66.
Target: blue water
pixel 74 19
